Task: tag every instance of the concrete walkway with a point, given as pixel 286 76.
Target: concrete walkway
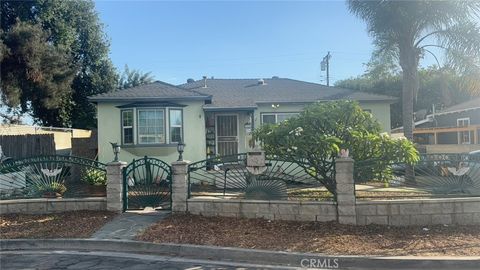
pixel 127 225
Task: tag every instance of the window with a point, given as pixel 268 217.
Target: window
pixel 176 128
pixel 463 136
pixel 141 125
pixel 463 122
pixel 127 126
pixel 275 118
pixel 151 127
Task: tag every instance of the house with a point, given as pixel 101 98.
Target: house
pixel 455 129
pixel 213 116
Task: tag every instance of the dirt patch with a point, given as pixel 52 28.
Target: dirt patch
pixel 318 237
pixel 76 224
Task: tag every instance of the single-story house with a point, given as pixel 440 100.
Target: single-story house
pixel 212 116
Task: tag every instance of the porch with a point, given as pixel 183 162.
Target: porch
pixel 228 131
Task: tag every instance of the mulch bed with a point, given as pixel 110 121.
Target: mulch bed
pixel 327 238
pixel 76 224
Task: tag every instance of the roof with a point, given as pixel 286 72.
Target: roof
pixel 248 93
pixel 150 92
pixel 467 105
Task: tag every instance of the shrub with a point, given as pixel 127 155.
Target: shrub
pixel 95 177
pixel 314 138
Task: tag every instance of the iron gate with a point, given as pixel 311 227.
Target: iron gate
pixel 147 183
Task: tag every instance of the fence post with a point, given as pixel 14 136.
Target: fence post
pixel 345 191
pixel 115 186
pixel 179 186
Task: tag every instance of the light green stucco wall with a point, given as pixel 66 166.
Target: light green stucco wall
pixel 109 130
pixel 381 111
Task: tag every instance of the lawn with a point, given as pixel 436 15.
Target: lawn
pixel 327 238
pixel 77 224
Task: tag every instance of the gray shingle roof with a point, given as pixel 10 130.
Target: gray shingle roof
pixel 228 93
pixel 149 92
pixel 470 104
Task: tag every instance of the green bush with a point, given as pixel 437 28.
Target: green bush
pixel 315 137
pixel 95 177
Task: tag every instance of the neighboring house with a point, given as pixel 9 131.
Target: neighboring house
pixel 213 116
pixel 455 129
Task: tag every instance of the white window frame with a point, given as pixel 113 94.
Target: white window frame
pixel 138 127
pixel 276 115
pixel 170 125
pixel 466 119
pixel 461 134
pixel 125 127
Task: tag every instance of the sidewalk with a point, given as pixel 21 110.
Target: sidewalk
pixel 127 225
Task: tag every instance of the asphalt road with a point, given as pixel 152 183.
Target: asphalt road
pixel 62 259
pixel 110 260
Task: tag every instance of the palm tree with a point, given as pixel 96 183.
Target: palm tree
pixel 408 30
pixel 132 78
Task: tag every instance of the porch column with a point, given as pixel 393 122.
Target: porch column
pixel 115 186
pixel 179 186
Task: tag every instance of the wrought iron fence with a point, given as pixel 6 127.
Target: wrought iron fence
pixel 434 175
pixel 52 177
pixel 229 177
pixel 147 183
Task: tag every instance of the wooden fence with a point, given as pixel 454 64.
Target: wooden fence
pixel 22 146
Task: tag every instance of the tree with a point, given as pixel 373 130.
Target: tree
pixel 132 78
pixel 72 27
pixel 439 87
pixel 407 30
pixel 34 73
pixel 314 138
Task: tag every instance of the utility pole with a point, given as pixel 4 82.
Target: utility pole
pixel 325 65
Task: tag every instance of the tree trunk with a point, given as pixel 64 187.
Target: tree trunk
pixel 409 59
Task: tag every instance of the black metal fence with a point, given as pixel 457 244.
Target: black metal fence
pixel 229 177
pixel 434 175
pixel 52 177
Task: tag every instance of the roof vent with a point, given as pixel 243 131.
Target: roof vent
pixel 190 80
pixel 261 82
pixel 204 81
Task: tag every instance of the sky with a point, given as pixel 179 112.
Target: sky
pixel 224 39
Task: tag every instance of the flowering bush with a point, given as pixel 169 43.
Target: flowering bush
pixel 314 138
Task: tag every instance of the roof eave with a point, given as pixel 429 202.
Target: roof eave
pixel 121 99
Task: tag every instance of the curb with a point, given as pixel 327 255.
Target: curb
pixel 241 255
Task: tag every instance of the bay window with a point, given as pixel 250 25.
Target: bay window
pixel 176 128
pixel 151 128
pixel 127 126
pixel 141 125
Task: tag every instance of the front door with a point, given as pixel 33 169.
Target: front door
pixel 227 134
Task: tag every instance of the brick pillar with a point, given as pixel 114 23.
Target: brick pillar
pixel 345 191
pixel 179 186
pixel 115 186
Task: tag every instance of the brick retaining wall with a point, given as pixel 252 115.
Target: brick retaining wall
pixel 273 210
pixel 46 206
pixel 419 212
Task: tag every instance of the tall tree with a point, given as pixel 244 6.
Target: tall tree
pixel 134 77
pixel 437 87
pixel 74 28
pixel 407 30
